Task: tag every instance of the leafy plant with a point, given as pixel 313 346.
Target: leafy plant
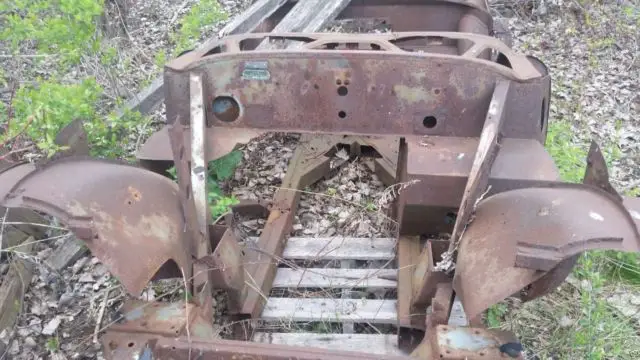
pixel 495 315
pixel 53 344
pixel 204 13
pixel 219 170
pixel 42 111
pixel 65 28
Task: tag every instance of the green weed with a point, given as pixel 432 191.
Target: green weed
pixel 64 28
pixel 204 13
pixel 219 170
pixel 41 112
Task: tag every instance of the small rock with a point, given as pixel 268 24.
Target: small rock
pixel 86 278
pixel 24 332
pixel 51 326
pixel 565 322
pixel 79 265
pixel 30 343
pixel 65 299
pixel 15 347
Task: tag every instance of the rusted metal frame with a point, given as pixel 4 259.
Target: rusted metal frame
pixel 521 68
pixel 483 161
pixel 425 279
pixel 178 349
pixel 306 167
pixel 203 279
pixel 427 273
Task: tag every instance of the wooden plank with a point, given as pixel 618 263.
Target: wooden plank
pixel 305 168
pixel 68 252
pixel 251 18
pixel 383 344
pixel 340 248
pixel 334 278
pixel 15 284
pixel 332 310
pixel 307 16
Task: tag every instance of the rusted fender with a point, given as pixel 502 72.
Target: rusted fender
pixel 519 235
pixel 130 218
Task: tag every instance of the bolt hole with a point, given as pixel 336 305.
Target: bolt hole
pixel 342 114
pixel 226 108
pixel 315 86
pixel 448 351
pixel 129 202
pixel 429 122
pixel 342 90
pixel 441 355
pixel 450 218
pixel 144 323
pixel 477 332
pixel 436 91
pixel 130 344
pixel 481 354
pixel 338 82
pixel 347 82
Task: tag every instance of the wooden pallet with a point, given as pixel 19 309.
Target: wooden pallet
pixel 286 312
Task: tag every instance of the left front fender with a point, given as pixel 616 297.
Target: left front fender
pixel 130 218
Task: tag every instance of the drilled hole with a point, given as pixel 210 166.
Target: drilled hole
pixel 342 114
pixel 450 218
pixel 347 82
pixel 342 90
pixel 226 108
pixel 481 354
pixel 130 344
pixel 429 122
pixel 338 82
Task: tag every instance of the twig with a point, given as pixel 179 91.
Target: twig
pixel 30 147
pixel 96 330
pixel 176 14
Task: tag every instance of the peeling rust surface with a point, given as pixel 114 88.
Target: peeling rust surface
pixel 517 233
pixel 129 218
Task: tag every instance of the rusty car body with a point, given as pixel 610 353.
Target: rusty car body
pixel 448 107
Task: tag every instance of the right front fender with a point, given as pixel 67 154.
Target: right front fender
pixel 130 218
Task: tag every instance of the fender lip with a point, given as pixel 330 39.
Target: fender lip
pixel 519 235
pixel 130 218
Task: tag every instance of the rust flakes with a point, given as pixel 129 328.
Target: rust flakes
pixel 135 195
